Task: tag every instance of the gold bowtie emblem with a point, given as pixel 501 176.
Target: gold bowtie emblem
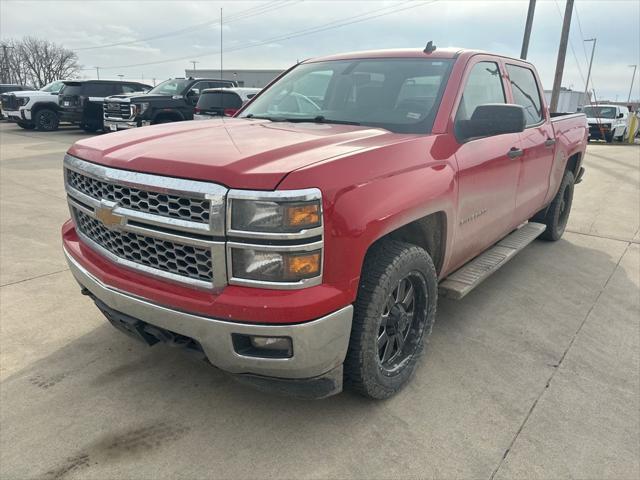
pixel 107 217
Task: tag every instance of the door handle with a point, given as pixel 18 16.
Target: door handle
pixel 515 153
pixel 550 142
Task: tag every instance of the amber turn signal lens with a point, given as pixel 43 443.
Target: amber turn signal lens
pixel 303 215
pixel 303 266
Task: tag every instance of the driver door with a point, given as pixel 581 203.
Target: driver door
pixel 488 168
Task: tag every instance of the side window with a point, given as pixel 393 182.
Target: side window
pixel 526 93
pixel 484 85
pixel 130 88
pixel 98 90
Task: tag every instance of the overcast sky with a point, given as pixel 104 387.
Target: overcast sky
pixel 256 33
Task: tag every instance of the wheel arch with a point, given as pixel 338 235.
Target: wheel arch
pixel 428 232
pixel 573 163
pixel 45 105
pixel 173 115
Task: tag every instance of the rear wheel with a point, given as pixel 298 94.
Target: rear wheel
pixel 556 215
pixel 46 120
pixel 394 310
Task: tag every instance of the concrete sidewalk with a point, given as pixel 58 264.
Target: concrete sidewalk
pixel 535 374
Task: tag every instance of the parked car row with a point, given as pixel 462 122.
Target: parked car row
pixel 173 100
pixel 112 105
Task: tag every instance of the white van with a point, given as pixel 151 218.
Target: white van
pixel 607 122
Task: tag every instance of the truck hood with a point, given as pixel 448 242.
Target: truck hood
pixel 602 120
pixel 28 93
pixel 238 153
pixel 136 97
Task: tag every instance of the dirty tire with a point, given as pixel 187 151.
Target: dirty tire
pixel 387 265
pixel 26 126
pixel 557 214
pixel 46 120
pixel 91 127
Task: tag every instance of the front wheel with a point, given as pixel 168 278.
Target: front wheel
pixel 394 310
pixel 46 120
pixel 556 215
pixel 26 126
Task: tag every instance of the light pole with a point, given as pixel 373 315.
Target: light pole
pixel 193 62
pixel 586 86
pixel 527 29
pixel 633 77
pixel 97 72
pixel 120 75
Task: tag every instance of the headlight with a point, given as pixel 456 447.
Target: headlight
pixel 271 216
pixel 274 266
pixel 255 220
pixel 23 101
pixel 141 107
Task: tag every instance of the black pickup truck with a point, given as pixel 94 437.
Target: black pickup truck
pixel 80 102
pixel 173 100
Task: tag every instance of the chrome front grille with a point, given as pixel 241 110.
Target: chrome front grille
pixel 162 226
pixel 118 110
pixel 175 258
pixel 162 204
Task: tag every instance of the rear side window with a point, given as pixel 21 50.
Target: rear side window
pixel 98 89
pixel 220 100
pixel 526 93
pixel 484 85
pixel 72 89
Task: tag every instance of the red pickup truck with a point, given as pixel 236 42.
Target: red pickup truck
pixel 302 244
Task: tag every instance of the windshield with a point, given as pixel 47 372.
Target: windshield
pixel 53 87
pixel 600 112
pixel 398 94
pixel 170 87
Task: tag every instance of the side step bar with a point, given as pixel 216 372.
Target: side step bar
pixel 472 274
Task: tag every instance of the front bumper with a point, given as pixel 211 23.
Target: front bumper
pixel 319 346
pixel 17 115
pixel 115 125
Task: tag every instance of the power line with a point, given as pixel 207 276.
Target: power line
pixel 250 12
pixel 320 28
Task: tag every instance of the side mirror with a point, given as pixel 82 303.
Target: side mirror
pixel 621 115
pixel 492 119
pixel 194 92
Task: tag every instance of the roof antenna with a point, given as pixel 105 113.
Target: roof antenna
pixel 430 48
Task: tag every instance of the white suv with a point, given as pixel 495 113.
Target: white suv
pixel 34 109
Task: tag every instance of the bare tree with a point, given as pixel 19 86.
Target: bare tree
pixel 32 61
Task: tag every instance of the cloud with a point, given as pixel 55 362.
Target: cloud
pixel 487 25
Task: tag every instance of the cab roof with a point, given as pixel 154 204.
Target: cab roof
pixel 439 53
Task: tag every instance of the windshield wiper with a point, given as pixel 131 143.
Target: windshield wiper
pixel 321 119
pixel 261 117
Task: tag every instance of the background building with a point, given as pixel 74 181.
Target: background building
pixel 569 100
pixel 245 78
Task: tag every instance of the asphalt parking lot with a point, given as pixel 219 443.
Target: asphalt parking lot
pixel 535 374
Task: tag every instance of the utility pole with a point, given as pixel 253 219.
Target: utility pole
pixel 193 62
pixel 98 72
pixel 586 86
pixel 562 53
pixel 120 75
pixel 527 29
pixel 633 77
pixel 220 46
